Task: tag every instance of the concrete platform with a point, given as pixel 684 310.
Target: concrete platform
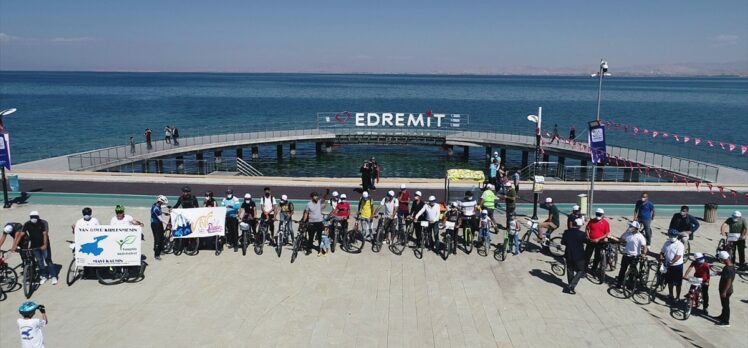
pixel 362 300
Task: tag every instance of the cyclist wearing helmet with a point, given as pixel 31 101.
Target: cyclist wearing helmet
pixel 10 229
pixel 597 231
pixel 453 215
pixel 415 207
pixel 122 219
pixel 209 200
pixel 701 270
pixel 636 246
pixel 186 200
pixel 232 221
pixel 341 213
pixel 248 212
pixel 286 212
pixel 36 234
pixel 333 202
pixel 468 206
pixel 313 217
pixel 31 328
pixel 432 212
pixel 389 204
pixel 269 208
pixel 366 213
pixel 671 256
pixel 86 220
pixel 157 225
pixel 575 214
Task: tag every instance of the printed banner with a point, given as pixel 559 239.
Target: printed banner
pixel 5 151
pixel 198 222
pixel 100 246
pixel 596 140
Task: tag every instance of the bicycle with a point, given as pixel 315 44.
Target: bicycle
pixel 75 272
pixel 608 262
pixel 299 241
pixel 693 298
pixel 635 281
pixel 532 227
pixel 282 236
pixel 353 240
pixel 657 284
pixel 260 236
pixel 376 244
pixel 727 243
pixel 31 277
pixel 243 240
pixel 400 240
pixel 335 229
pixel 468 236
pixel 485 242
pixel 168 244
pixel 447 247
pixel 420 243
pixel 8 275
pixel 189 246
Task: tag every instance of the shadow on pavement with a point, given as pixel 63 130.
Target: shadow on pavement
pixel 547 277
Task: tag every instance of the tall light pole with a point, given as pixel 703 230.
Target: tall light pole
pixel 537 119
pixel 602 72
pixel 3 131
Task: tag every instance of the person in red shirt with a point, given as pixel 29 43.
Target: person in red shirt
pixel 701 268
pixel 342 212
pixel 597 231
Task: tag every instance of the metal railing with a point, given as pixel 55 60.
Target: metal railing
pixel 246 169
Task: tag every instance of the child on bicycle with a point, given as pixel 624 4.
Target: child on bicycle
pixel 513 230
pixel 30 328
pixel 701 270
pixel 453 217
pixel 486 224
pixel 324 247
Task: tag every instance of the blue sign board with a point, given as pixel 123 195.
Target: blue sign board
pixel 596 140
pixel 5 151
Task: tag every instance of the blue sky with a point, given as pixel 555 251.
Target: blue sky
pixel 366 36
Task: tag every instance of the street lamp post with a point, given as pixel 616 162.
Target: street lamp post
pixel 602 72
pixel 537 119
pixel 3 131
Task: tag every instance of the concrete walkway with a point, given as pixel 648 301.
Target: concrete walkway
pixel 367 300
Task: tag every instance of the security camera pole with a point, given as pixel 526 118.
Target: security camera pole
pixel 602 72
pixel 5 155
pixel 537 119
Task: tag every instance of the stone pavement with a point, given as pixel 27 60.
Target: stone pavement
pixel 354 300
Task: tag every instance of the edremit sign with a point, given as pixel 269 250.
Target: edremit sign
pixel 391 119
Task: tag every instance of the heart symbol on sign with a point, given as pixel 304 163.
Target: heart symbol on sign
pixel 345 119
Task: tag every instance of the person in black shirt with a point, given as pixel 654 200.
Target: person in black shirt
pixel 186 200
pixel 725 287
pixel 36 232
pixel 366 173
pixel 209 200
pixel 684 223
pixel 248 212
pixel 415 207
pixel 575 214
pixel 574 240
pixel 10 229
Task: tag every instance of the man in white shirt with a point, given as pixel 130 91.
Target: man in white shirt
pixel 29 327
pixel 122 219
pixel 86 220
pixel 389 204
pixel 672 257
pixel 432 212
pixel 469 218
pixel 636 246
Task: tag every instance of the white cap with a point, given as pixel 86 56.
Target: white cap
pixel 284 198
pixel 579 221
pixel 495 153
pixel 391 193
pixel 697 256
pixel 34 213
pixel 343 196
pixel 549 200
pixel 490 187
pixel 575 207
pixel 418 193
pixel 334 193
pixel 163 199
pixel 723 255
pixel 484 211
pixel 365 194
pixel 736 214
pixel 508 184
pixel 402 186
pixel 432 199
pixel 634 224
pixel 247 196
pixel 8 228
pixel 455 204
pixel 599 211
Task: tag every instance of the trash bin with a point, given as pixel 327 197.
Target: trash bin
pixel 710 212
pixel 582 203
pixel 13 184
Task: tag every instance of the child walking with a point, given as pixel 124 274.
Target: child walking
pixel 30 327
pixel 324 248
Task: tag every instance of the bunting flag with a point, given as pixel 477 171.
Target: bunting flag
pixel 677 138
pixel 659 175
pixel 710 143
pixel 626 128
pixel 618 126
pixel 722 145
pixel 722 191
pixel 648 168
pixel 654 134
pixel 734 195
pixel 732 147
pixel 685 180
pixel 710 187
pixel 697 183
pixel 743 149
pixel 646 131
pixel 675 178
pixel 686 139
pixel 636 131
pixel 746 196
pixel 608 124
pixel 697 141
pixel 665 135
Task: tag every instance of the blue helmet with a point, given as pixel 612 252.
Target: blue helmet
pixel 673 232
pixel 28 307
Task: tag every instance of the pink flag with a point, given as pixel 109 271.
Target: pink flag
pixel 639 166
pixel 618 126
pixel 697 183
pixel 664 135
pixel 686 139
pixel 722 191
pixel 654 134
pixel 746 196
pixel 710 187
pixel 675 178
pixel 646 131
pixel 732 147
pixel 626 128
pixel 697 141
pixel 710 143
pixel 659 175
pixel 609 124
pixel 636 131
pixel 685 180
pixel 677 138
pixel 722 145
pixel 734 195
pixel 648 168
pixel 743 149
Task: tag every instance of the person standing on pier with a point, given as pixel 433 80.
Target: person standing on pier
pixel 148 139
pixel 572 133
pixel 375 173
pixel 644 212
pixel 167 135
pixel 132 145
pixel 366 176
pixel 175 135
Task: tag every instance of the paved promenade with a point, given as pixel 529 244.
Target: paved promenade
pixel 348 300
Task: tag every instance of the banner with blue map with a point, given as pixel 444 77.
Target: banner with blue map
pixel 101 246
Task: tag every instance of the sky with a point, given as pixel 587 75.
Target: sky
pixel 381 36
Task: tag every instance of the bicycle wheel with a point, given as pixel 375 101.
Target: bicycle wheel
pixel 468 240
pixel 487 244
pixel 720 246
pixel 259 241
pixel 446 246
pixel 524 243
pixel 611 259
pixel 8 279
pixel 110 275
pixel 192 246
pixel 245 242
pixel 279 237
pixel 296 246
pixel 73 273
pixel 178 246
pixel 398 245
pixel 29 275
pixel 354 241
pixel 500 253
pixel 334 239
pixel 376 244
pixel 134 274
pixel 687 305
pixel 418 251
pixel 219 246
pixel 630 282
pixel 555 247
pixel 168 246
pixel 558 269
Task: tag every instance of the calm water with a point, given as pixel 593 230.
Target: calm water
pixel 62 113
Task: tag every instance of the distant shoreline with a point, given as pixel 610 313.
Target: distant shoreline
pixel 619 75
